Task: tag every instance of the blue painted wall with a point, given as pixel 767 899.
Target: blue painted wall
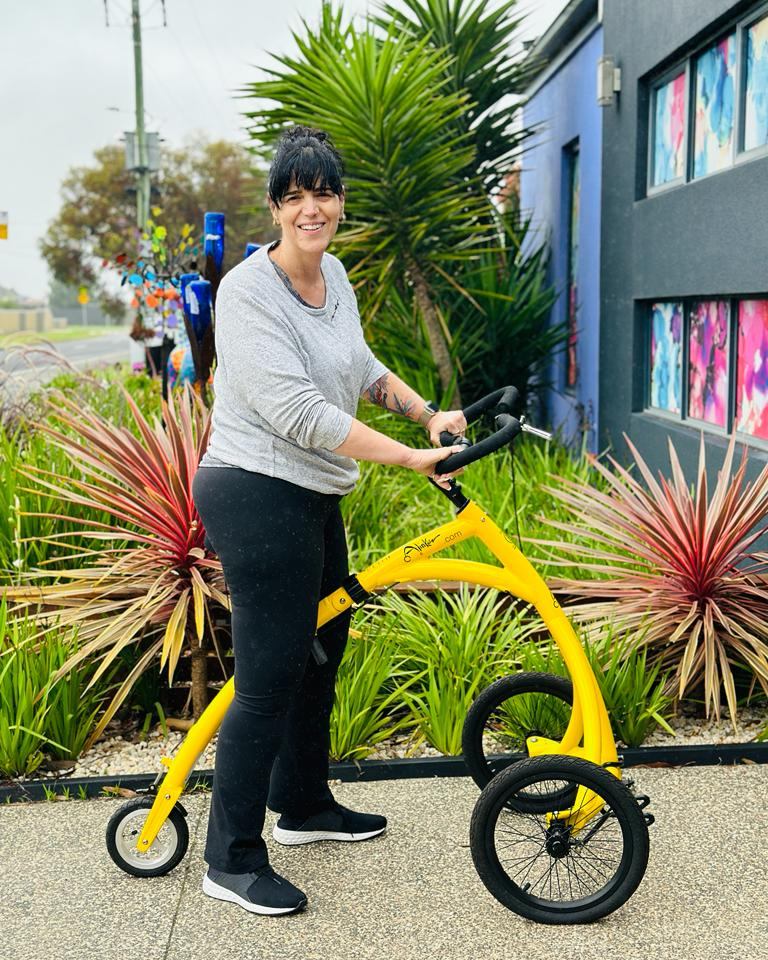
pixel 564 109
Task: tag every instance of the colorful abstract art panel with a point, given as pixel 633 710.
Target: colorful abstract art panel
pixel 669 131
pixel 752 369
pixel 713 123
pixel 756 93
pixel 666 356
pixel 708 362
pixel 572 368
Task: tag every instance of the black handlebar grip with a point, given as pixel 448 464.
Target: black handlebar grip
pixel 453 440
pixel 509 427
pixel 504 399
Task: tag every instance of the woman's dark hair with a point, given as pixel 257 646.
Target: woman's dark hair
pixel 306 157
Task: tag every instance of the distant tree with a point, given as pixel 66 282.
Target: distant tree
pixel 97 218
pixel 8 298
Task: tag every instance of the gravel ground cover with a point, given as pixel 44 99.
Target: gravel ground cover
pixel 127 754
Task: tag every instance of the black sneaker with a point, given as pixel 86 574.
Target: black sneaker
pixel 336 823
pixel 261 891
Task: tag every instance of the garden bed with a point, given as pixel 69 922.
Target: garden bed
pixel 129 762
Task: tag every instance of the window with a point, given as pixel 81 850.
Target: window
pixel 573 202
pixel 693 375
pixel 724 107
pixel 666 356
pixel 713 119
pixel 752 369
pixel 669 131
pixel 756 86
pixel 708 362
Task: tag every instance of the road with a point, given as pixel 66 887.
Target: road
pixel 23 371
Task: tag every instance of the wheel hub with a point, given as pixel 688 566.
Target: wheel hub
pixel 558 842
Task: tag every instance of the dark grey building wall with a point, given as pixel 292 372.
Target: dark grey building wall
pixel 708 237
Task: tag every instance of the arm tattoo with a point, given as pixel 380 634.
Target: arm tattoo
pixel 378 393
pixel 405 407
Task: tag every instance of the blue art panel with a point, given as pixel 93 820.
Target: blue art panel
pixel 756 94
pixel 713 124
pixel 666 356
pixel 669 131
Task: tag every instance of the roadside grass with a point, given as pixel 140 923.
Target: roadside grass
pixel 72 332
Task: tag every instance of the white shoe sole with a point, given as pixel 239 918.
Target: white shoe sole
pixel 293 838
pixel 213 889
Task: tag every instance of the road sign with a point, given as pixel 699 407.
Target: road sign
pixel 3 225
pixel 82 297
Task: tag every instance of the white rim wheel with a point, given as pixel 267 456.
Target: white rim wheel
pixel 159 853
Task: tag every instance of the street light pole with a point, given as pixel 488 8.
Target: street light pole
pixel 142 170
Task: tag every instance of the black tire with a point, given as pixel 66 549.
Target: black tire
pixel 166 852
pixel 514 707
pixel 579 883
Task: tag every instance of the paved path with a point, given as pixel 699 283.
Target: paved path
pixel 411 894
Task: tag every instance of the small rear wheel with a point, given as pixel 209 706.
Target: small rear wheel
pixel 539 864
pixel 167 850
pixel 506 713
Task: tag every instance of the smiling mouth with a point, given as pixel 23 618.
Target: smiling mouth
pixel 311 227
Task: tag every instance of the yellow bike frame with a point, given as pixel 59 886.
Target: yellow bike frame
pixel 588 734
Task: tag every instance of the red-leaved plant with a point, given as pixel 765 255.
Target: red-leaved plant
pixel 159 588
pixel 673 568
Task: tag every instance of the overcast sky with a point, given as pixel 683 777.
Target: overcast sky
pixel 66 88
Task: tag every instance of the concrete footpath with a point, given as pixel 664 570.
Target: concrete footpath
pixel 412 893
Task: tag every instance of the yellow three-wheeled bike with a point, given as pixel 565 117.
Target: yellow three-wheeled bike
pixel 556 835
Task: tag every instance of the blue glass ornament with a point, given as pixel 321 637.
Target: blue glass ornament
pixel 200 307
pixel 213 231
pixel 250 248
pixel 186 279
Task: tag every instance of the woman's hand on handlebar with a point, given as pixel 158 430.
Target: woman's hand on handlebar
pixel 450 421
pixel 424 462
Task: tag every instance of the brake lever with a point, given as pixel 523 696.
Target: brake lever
pixel 534 431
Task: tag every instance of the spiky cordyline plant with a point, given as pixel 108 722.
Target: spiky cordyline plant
pixel 161 587
pixel 675 568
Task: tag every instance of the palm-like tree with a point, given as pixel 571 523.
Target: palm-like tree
pixel 478 39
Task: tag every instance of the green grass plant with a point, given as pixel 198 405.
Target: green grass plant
pixel 23 717
pixel 38 716
pixel 365 710
pixel 455 643
pixel 633 691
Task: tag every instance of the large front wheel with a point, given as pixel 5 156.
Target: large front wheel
pixel 537 862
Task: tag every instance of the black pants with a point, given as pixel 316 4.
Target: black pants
pixel 282 548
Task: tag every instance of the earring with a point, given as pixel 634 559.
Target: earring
pixel 275 222
pixel 342 217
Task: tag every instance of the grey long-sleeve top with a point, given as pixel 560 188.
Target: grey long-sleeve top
pixel 288 377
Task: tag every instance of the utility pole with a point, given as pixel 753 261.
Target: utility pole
pixel 142 170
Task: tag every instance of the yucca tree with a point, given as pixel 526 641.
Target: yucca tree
pixel 479 38
pixel 393 113
pixel 674 567
pixel 157 593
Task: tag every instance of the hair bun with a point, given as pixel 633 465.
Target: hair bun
pixel 305 133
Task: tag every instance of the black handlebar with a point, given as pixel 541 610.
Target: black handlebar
pixel 508 427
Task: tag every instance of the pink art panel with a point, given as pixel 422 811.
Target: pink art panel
pixel 752 369
pixel 708 362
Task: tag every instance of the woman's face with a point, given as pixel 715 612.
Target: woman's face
pixel 308 218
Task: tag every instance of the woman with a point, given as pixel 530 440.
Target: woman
pixel 291 366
